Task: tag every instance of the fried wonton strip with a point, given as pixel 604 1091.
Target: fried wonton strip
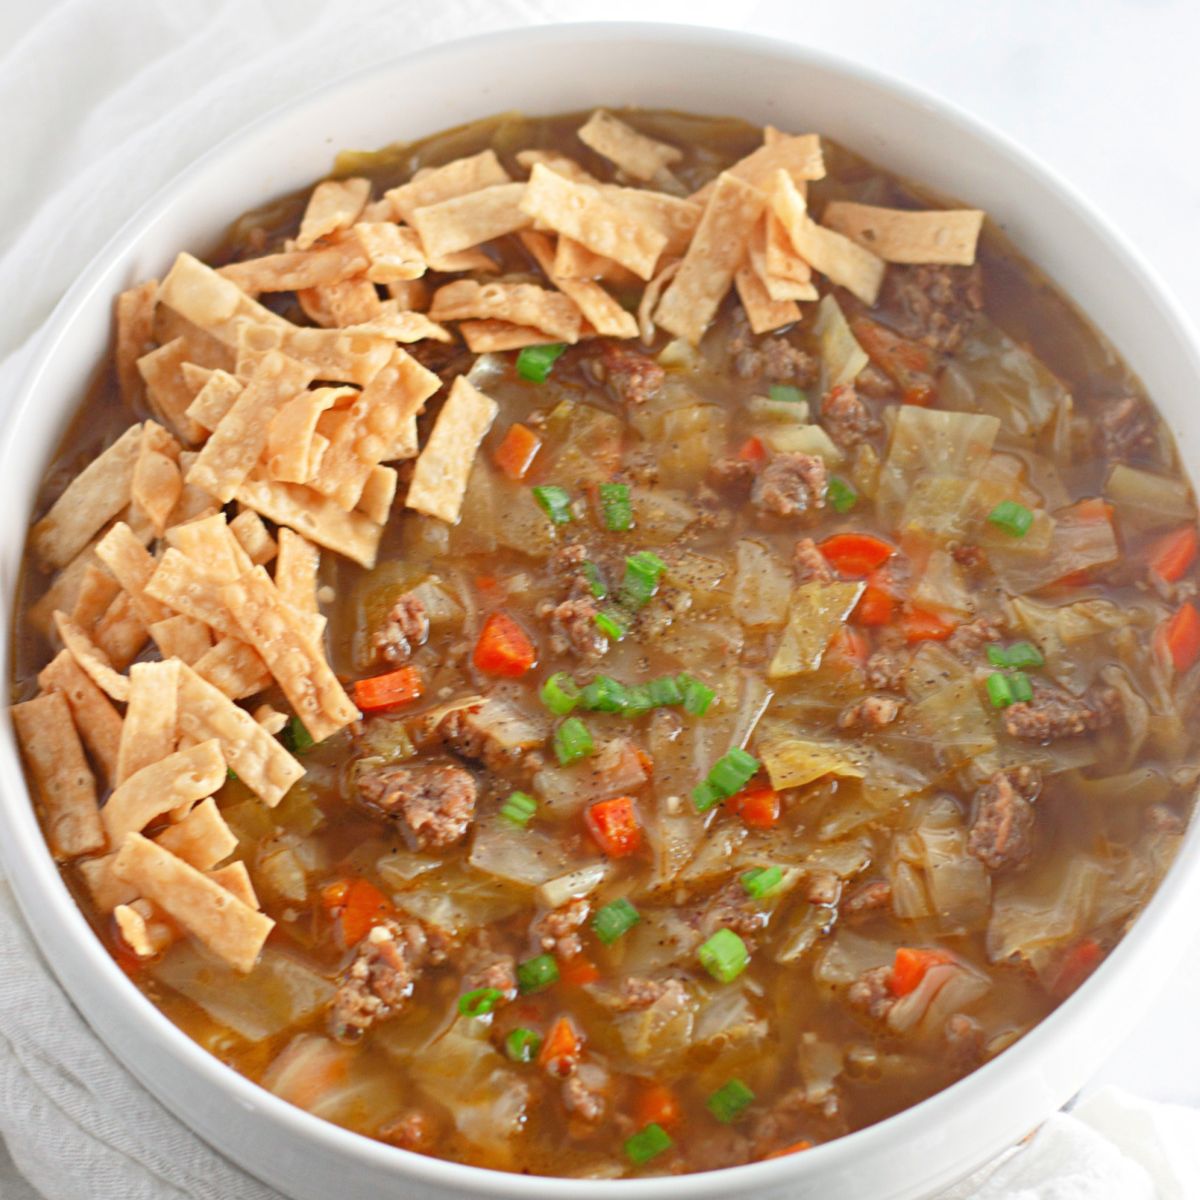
pixel 97 590
pixel 411 295
pixel 98 723
pixel 650 298
pixel 202 839
pixel 440 477
pixel 209 543
pixel 640 157
pixel 568 168
pixel 135 335
pixel 132 565
pixel 591 218
pixel 234 667
pixel 240 438
pixel 181 778
pixel 392 321
pixel 837 258
pixel 318 518
pixel 253 536
pixel 106 890
pixel 64 782
pixel 763 313
pixel 779 255
pixel 486 337
pixel 574 261
pixel 91 658
pixel 143 929
pixel 335 204
pixel 293 453
pixel 296 269
pixel 902 236
pixel 270 719
pixel 257 759
pixel 457 178
pixel 341 305
pixel 151 720
pixel 601 311
pixel 676 219
pixel 184 586
pixel 214 400
pixel 234 877
pixel 466 221
pixel 394 253
pixel 799 156
pixel 181 637
pixel 777 287
pixel 120 633
pixel 476 259
pixel 89 502
pixel 157 484
pixel 717 250
pixel 378 493
pixel 526 304
pixel 222 309
pixel 234 931
pixel 204 352
pixel 296 571
pixel 167 392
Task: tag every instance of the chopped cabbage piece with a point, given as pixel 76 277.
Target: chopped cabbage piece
pixel 817 612
pixel 842 358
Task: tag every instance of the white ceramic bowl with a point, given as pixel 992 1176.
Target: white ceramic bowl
pixel 550 70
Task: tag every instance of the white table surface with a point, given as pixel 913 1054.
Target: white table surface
pixel 1107 92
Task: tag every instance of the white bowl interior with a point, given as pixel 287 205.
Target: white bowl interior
pixel 550 70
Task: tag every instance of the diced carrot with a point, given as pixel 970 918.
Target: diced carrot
pixel 615 826
pixel 515 454
pixel 1173 553
pixel 1178 637
pixel 1091 509
pixel 504 648
pixel 920 394
pixel 561 1049
pixel 794 1148
pixel 920 625
pixel 856 554
pixel 908 364
pixel 757 805
pixel 357 905
pixel 875 607
pixel 1073 579
pixel 401 686
pixel 1077 964
pixel 485 583
pixel 578 971
pixel 848 647
pixel 909 968
pixel 752 450
pixel 646 759
pixel 657 1104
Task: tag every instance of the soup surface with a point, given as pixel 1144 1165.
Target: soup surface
pixel 770 693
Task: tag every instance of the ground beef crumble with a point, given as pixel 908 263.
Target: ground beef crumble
pixel 1126 428
pixel 435 803
pixel 872 712
pixel 1054 713
pixel 809 564
pixel 558 930
pixel 871 993
pixel 934 304
pixel 770 357
pixel 790 484
pixel 846 417
pixel 405 626
pixel 1001 833
pixel 633 378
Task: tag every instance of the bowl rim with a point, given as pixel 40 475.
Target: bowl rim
pixel 418 1168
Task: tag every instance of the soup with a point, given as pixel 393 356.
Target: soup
pixel 772 696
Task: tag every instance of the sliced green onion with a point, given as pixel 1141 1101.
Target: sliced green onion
pixel 999 690
pixel 647 1143
pixel 537 973
pixel 841 496
pixel 665 691
pixel 572 741
pixel 555 502
pixel 522 1045
pixel 729 1102
pixel 638 700
pixel 560 693
pixel 230 775
pixel 1022 689
pixel 724 956
pixel 614 920
pixel 761 881
pixel 705 796
pixel 997 655
pixel 1015 519
pixel 534 362
pixel 733 770
pixel 616 507
pixel 296 738
pixel 519 808
pixel 696 696
pixel 604 694
pixel 642 574
pixel 596 584
pixel 610 624
pixel 1024 654
pixel 783 393
pixel 480 1002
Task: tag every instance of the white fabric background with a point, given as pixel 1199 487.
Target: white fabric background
pixel 102 102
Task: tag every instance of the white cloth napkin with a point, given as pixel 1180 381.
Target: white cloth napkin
pixel 100 105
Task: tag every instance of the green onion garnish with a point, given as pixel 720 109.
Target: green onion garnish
pixel 611 625
pixel 534 362
pixel 696 696
pixel 1022 689
pixel 705 796
pixel 555 502
pixel 642 574
pixel 616 507
pixel 647 1143
pixel 537 973
pixel 999 690
pixel 997 655
pixel 724 956
pixel 604 694
pixel 1015 519
pixel 480 1002
pixel 783 393
pixel 614 920
pixel 841 496
pixel 637 700
pixel 1024 654
pixel 761 881
pixel 729 1102
pixel 665 691
pixel 519 808
pixel 560 693
pixel 596 584
pixel 230 775
pixel 296 738
pixel 730 773
pixel 572 741
pixel 522 1045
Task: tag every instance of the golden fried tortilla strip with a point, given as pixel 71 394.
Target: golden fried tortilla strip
pixel 135 336
pixel 97 721
pixel 335 204
pixel 151 721
pixel 181 778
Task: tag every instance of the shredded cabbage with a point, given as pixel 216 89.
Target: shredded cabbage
pixel 1147 501
pixel 842 358
pixel 793 762
pixel 804 439
pixel 523 856
pixel 817 612
pixel 763 586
